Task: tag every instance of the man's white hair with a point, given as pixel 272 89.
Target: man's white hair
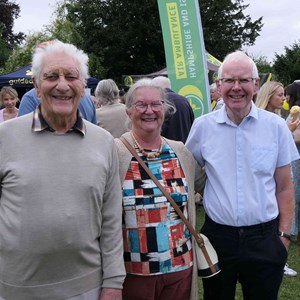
pixel 162 81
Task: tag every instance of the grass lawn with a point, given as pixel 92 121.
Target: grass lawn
pixel 290 287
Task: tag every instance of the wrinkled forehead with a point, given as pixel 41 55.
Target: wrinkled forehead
pixel 147 92
pixel 60 61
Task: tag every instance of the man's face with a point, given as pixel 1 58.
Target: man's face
pixel 60 88
pixel 237 87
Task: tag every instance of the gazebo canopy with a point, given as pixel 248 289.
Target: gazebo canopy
pixel 21 78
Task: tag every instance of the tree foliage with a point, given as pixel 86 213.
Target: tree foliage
pixel 225 27
pixel 21 56
pixel 4 51
pixel 262 64
pixel 125 37
pixel 287 65
pixel 9 12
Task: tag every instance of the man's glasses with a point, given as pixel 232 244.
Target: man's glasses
pixel 155 106
pixel 241 81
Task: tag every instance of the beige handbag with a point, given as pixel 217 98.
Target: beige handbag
pixel 207 259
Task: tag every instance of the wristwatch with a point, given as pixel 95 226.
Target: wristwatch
pixel 285 235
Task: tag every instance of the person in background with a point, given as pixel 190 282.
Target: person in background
pixel 112 114
pixel 8 100
pixel 271 97
pixel 158 250
pixel 215 97
pixel 176 126
pixel 248 196
pixel 96 102
pixel 293 97
pixel 60 202
pixel 30 101
pixel 122 93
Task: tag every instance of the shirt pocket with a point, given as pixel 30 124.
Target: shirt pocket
pixel 262 159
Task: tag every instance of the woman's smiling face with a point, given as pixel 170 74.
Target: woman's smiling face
pixel 152 117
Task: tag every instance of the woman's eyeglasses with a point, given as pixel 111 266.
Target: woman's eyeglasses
pixel 155 106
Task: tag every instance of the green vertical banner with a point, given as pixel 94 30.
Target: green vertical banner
pixel 185 51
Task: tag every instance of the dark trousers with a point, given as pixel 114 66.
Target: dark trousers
pixel 252 255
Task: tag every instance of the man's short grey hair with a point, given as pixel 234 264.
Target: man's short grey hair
pixel 162 81
pixel 238 56
pixel 57 46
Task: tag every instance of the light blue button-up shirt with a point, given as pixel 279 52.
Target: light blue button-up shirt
pixel 240 162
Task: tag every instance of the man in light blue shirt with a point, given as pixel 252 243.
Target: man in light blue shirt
pixel 248 196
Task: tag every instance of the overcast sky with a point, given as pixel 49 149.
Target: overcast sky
pixel 280 17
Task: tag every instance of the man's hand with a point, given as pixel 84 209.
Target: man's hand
pixel 285 242
pixel 111 294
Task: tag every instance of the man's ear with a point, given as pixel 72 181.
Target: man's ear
pixel 218 84
pixel 36 87
pixel 83 90
pixel 256 85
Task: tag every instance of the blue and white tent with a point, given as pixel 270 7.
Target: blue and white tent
pixel 21 78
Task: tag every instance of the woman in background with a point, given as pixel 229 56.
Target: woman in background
pixel 112 114
pixel 8 100
pixel 293 98
pixel 271 97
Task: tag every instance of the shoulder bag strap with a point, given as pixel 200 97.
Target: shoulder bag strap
pixel 197 236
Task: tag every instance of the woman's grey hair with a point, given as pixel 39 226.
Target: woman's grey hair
pixel 169 108
pixel 238 56
pixel 56 46
pixel 107 92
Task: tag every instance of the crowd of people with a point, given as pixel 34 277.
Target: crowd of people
pixel 80 217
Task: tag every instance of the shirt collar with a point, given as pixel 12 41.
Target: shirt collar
pixel 223 117
pixel 40 124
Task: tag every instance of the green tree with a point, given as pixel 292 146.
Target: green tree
pixel 61 28
pixel 21 56
pixel 127 38
pixel 262 64
pixel 4 51
pixel 225 27
pixel 287 66
pixel 9 12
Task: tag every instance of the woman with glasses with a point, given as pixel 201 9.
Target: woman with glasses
pixel 158 249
